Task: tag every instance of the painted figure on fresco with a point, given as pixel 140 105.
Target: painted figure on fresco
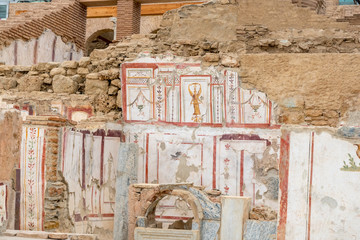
pixel 351 165
pixel 195 101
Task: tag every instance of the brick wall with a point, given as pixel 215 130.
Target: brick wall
pixel 67 20
pixel 128 22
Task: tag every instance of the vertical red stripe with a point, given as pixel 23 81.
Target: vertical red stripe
pixel 83 161
pixel 63 149
pixel 36 51
pixel 43 182
pixel 158 162
pixel 123 89
pixel 214 163
pixel 102 158
pixel 202 161
pixel 242 173
pixel 270 111
pixel 311 179
pixel 15 53
pixel 53 49
pixel 147 159
pixel 284 180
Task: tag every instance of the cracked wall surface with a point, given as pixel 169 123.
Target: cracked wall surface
pixel 232 137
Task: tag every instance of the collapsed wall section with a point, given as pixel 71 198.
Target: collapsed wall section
pixel 67 23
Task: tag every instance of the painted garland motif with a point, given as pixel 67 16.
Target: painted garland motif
pixel 32 180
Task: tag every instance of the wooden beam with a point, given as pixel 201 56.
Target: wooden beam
pixel 101 12
pixel 98 3
pixel 159 9
pixel 146 9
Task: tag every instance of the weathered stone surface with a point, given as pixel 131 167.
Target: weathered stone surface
pixel 30 83
pixel 157 233
pixel 116 83
pixel 263 214
pixel 98 54
pixel 57 71
pixel 93 76
pixel 62 84
pixel 7 83
pixel 71 71
pixel 211 57
pixel 229 60
pixel 210 209
pixel 83 71
pixel 313 112
pixel 21 68
pixel 126 175
pixel 50 65
pixel 110 74
pixel 47 80
pixel 9 233
pixel 32 234
pixel 104 103
pixel 233 224
pixel 6 68
pixel 113 90
pixel 58 235
pixel 264 230
pixel 210 229
pixel 78 78
pixel 33 73
pixel 119 99
pixel 83 237
pixel 69 64
pixel 95 87
pixel 84 62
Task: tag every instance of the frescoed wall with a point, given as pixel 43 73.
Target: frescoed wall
pixel 184 94
pixel 3 205
pixel 321 195
pixel 199 125
pixel 32 163
pixel 89 167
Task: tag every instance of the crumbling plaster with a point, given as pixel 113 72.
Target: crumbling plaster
pixel 46 48
pixel 310 89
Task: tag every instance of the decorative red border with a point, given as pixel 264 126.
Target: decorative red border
pixel 310 184
pixel 154 66
pixel 100 133
pixel 284 181
pixel 85 109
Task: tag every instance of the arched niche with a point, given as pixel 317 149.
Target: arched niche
pixel 99 40
pixel 185 195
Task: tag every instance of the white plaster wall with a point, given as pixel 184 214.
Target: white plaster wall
pixel 96 212
pixel 7 54
pixel 45 47
pixel 26 50
pixel 157 145
pixel 333 211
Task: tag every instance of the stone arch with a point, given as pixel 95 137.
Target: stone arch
pixel 186 195
pixel 99 40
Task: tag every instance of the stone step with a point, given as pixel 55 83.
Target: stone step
pixel 19 235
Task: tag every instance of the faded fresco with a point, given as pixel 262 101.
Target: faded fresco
pixel 321 204
pixel 89 163
pixel 186 95
pixel 3 204
pixel 235 149
pixel 32 179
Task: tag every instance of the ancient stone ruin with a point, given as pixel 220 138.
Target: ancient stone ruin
pixel 212 120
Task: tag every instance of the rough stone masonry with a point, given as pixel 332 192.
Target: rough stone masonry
pixel 275 123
